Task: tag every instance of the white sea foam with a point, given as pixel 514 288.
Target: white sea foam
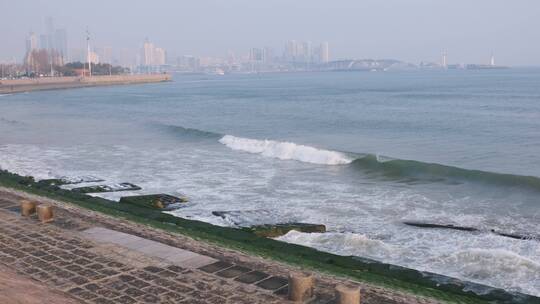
pixel 286 150
pixel 363 221
pixel 342 243
pixel 509 269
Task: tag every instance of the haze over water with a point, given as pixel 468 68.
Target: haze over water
pixel 335 151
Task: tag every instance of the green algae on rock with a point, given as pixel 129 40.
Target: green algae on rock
pixel 164 202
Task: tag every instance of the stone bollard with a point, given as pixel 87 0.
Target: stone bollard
pixel 300 287
pixel 347 294
pixel 45 213
pixel 27 208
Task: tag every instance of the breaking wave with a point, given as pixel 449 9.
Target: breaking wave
pixel 189 133
pixel 286 151
pixel 389 168
pixel 399 168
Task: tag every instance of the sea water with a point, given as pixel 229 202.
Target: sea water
pixel 359 152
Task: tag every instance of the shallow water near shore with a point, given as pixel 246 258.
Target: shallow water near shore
pixel 358 152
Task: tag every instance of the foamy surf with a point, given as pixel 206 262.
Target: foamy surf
pixel 286 151
pixel 500 268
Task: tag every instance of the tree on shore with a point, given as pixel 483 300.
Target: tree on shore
pixel 76 68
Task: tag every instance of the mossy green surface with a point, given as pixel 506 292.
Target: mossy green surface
pixel 282 229
pixel 154 201
pixel 385 275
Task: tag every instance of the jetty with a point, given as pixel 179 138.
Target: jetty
pixel 11 86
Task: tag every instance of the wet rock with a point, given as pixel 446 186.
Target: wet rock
pixel 70 180
pixel 164 202
pixel 107 188
pixel 276 230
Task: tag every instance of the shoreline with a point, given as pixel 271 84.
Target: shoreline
pixel 56 83
pixel 390 277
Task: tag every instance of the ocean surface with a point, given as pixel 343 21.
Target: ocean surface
pixel 361 152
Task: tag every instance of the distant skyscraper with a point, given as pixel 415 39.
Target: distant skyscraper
pixel 257 55
pixel 159 56
pixel 291 50
pixel 268 55
pixel 148 54
pixel 492 61
pixel 324 55
pixel 60 43
pixel 44 42
pixel 31 42
pixel 152 55
pixel 444 62
pixel 49 25
pixel 307 52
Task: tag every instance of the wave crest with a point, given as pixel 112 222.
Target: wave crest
pixel 286 150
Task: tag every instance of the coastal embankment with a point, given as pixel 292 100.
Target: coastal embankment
pixel 53 83
pixel 380 282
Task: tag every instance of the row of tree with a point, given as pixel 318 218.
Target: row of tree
pixel 43 62
pixel 77 68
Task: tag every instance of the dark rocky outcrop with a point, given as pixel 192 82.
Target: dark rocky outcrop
pixel 107 188
pixel 70 180
pixel 276 230
pixel 472 229
pixel 164 202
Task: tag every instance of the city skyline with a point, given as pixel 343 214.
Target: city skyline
pixel 412 32
pixel 150 55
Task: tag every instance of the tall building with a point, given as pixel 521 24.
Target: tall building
pixel 44 42
pixel 492 61
pixel 148 53
pixel 444 62
pixel 268 55
pixel 257 55
pixel 291 50
pixel 60 43
pixel 49 25
pixel 307 52
pixel 31 42
pixel 152 55
pixel 159 56
pixel 324 55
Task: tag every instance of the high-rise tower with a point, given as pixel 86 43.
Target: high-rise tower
pixel 324 53
pixel 444 60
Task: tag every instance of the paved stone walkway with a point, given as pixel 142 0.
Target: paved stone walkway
pixel 19 289
pixel 98 259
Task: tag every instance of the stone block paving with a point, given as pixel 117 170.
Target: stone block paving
pixel 101 259
pixel 64 261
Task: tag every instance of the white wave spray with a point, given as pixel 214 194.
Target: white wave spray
pixel 286 150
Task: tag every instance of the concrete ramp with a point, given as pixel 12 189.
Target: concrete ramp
pixel 173 255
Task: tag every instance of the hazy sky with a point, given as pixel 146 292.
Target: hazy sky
pixel 410 30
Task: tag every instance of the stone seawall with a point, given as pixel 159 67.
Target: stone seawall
pixel 52 83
